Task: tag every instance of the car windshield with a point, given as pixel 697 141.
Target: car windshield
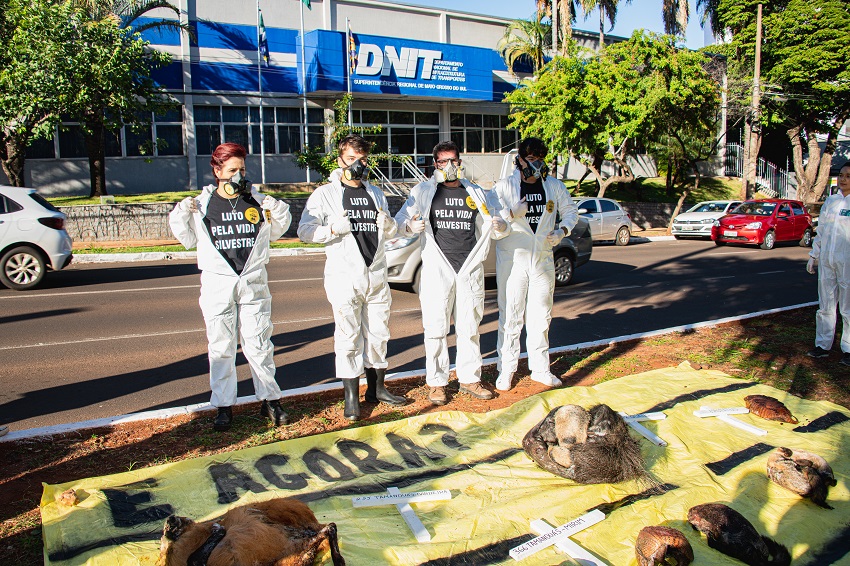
pixel 756 208
pixel 709 207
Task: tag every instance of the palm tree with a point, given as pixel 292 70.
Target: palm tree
pixel 675 14
pixel 526 40
pixel 709 14
pixel 129 11
pixel 606 8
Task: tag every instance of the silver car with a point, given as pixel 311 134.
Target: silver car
pixel 404 257
pixel 696 222
pixel 32 238
pixel 607 219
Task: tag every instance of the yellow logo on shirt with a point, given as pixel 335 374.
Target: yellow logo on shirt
pixel 484 209
pixel 470 202
pixel 550 206
pixel 268 215
pixel 252 215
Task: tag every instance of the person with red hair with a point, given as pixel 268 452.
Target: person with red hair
pixel 232 224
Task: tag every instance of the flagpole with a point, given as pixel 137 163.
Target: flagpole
pixel 303 81
pixel 348 74
pixel 260 89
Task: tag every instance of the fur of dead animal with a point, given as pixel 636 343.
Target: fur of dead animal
pixel 732 534
pixel 802 472
pixel 278 532
pixel 769 408
pixel 659 545
pixel 589 447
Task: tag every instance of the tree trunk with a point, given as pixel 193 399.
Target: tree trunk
pixel 13 154
pixel 96 148
pixel 813 176
pixel 668 187
pixel 676 210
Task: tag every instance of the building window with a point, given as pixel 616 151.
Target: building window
pixel 482 133
pixel 403 133
pixel 283 128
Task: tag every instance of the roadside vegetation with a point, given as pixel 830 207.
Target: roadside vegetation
pixel 769 350
pixel 172 196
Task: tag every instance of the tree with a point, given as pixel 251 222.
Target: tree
pixel 36 48
pixel 608 103
pixel 675 15
pixel 804 67
pixel 526 41
pixel 126 15
pixel 111 72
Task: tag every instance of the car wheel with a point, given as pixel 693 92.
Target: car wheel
pixel 677 237
pixel 623 236
pixel 21 268
pixel 806 240
pixel 564 268
pixel 769 240
pixel 719 243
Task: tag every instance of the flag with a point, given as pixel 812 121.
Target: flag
pixel 307 3
pixel 263 42
pixel 352 52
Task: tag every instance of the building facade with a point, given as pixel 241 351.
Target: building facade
pixel 422 74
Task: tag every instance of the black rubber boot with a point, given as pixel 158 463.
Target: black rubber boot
pixel 351 387
pixel 275 412
pixel 375 390
pixel 223 419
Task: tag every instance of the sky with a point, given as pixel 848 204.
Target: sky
pixel 644 14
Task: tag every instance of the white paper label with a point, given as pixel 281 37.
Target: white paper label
pixel 390 499
pixel 709 412
pixel 556 535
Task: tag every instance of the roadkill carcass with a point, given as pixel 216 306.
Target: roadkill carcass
pixel 588 447
pixel 278 532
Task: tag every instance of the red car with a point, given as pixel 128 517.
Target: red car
pixel 764 222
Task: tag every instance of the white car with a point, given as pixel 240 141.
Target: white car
pixel 697 221
pixel 32 238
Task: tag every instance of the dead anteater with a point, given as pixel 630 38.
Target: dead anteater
pixel 278 532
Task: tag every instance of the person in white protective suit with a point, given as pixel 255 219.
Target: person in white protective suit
pixel 458 219
pixel 830 258
pixel 232 225
pixel 350 216
pixel 525 270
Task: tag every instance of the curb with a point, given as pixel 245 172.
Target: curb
pixel 159 256
pixel 160 414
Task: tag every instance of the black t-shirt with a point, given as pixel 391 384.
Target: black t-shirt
pixel 362 213
pixel 233 225
pixel 453 215
pixel 535 196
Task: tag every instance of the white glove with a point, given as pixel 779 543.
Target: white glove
pixel 341 226
pixel 384 222
pixel 499 225
pixel 189 204
pixel 812 265
pixel 416 225
pixel 520 209
pixel 271 203
pixel 554 237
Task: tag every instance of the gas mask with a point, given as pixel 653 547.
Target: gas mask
pixel 237 184
pixel 449 173
pixel 533 170
pixel 356 171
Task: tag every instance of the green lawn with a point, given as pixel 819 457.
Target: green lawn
pixel 652 189
pixel 95 249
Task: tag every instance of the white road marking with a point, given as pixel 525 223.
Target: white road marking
pixel 166 333
pixel 139 289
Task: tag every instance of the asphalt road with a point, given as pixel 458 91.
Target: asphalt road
pixel 103 340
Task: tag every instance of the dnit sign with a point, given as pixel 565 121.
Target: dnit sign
pixel 372 60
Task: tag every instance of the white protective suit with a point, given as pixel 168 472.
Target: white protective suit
pixel 230 300
pixel 358 293
pixel 831 249
pixel 525 272
pixel 459 294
